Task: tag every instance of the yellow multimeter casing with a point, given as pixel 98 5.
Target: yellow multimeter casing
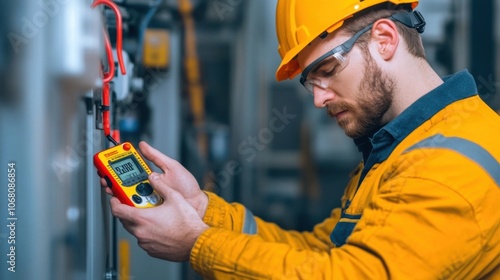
pixel 126 173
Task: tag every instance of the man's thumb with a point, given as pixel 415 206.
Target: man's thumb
pixel 161 187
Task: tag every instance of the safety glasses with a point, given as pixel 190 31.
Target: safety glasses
pixel 320 73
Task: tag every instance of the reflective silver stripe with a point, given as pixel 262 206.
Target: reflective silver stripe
pixel 249 225
pixel 466 148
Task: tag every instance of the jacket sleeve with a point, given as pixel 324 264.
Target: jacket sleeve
pixel 414 228
pixel 236 218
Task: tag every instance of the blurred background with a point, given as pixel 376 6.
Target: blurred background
pixel 200 87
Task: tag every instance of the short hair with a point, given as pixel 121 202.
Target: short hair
pixel 385 10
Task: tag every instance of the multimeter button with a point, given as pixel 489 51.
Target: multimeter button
pixel 144 189
pixel 153 199
pixel 137 199
pixel 108 182
pixel 126 146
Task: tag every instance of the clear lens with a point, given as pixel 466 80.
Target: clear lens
pixel 312 84
pixel 322 74
pixel 309 85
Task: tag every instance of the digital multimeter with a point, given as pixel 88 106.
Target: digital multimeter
pixel 126 173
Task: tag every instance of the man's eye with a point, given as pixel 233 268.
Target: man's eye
pixel 328 72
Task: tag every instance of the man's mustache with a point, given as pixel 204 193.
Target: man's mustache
pixel 334 109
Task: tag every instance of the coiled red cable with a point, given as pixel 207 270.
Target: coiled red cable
pixel 109 75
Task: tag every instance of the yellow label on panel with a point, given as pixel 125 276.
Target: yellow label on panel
pixel 156 48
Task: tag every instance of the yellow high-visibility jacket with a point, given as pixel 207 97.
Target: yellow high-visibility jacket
pixel 424 204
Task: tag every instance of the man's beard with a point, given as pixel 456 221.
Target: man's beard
pixel 376 97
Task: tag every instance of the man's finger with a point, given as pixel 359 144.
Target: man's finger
pixel 122 211
pixel 158 185
pixel 104 184
pixel 164 190
pixel 109 191
pixel 155 156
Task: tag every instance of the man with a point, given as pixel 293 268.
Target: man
pixel 423 204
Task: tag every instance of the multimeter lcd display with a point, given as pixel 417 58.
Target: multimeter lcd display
pixel 126 168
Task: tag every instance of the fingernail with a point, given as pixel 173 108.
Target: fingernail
pixel 154 177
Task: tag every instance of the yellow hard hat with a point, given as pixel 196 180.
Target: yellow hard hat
pixel 299 22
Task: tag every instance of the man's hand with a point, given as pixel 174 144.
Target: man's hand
pixel 167 231
pixel 175 176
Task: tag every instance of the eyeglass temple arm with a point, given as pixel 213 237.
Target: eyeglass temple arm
pixel 411 19
pixel 347 46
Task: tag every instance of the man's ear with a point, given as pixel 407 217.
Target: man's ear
pixel 385 35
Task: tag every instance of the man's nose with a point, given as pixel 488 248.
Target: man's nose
pixel 322 97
